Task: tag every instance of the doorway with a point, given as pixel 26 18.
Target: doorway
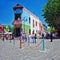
pixel 17 32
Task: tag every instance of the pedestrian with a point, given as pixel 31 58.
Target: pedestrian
pixel 51 36
pixel 29 36
pixel 42 35
pixel 35 37
pixel 6 36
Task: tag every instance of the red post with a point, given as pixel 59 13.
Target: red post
pixel 20 43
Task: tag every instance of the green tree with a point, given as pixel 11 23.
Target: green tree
pixel 51 13
pixel 6 28
pixel 51 29
pixel 11 28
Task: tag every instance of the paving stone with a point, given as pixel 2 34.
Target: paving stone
pixel 10 51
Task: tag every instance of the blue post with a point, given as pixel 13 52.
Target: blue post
pixel 43 44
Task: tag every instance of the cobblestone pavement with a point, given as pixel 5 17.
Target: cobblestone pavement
pixel 11 51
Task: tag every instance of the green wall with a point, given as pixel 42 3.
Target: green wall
pixel 26 28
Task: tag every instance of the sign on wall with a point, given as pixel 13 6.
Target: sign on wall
pixel 17 23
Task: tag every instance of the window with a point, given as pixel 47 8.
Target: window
pixel 36 23
pixel 29 20
pixel 29 31
pixel 33 32
pixel 33 23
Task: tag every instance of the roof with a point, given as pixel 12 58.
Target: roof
pixel 18 6
pixel 30 12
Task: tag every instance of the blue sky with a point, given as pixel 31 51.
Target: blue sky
pixel 7 14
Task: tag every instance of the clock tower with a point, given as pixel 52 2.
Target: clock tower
pixel 18 9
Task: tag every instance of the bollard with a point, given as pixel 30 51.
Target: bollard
pixel 10 38
pixel 14 41
pixel 20 43
pixel 43 45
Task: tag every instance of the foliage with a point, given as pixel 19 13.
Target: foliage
pixel 9 28
pixel 51 29
pixel 51 13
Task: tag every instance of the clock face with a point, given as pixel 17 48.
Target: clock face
pixel 18 11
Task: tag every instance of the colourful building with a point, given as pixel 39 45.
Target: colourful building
pixel 29 22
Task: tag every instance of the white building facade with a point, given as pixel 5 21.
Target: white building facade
pixel 35 23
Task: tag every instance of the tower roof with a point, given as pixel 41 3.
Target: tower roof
pixel 18 6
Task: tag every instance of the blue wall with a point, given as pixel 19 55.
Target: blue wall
pixel 25 16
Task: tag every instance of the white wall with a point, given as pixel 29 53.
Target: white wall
pixel 39 27
pixel 35 27
pixel 35 18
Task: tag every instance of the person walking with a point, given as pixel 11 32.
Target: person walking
pixel 51 37
pixel 35 37
pixel 29 36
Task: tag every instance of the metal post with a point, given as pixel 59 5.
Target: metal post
pixel 20 43
pixel 14 41
pixel 43 43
